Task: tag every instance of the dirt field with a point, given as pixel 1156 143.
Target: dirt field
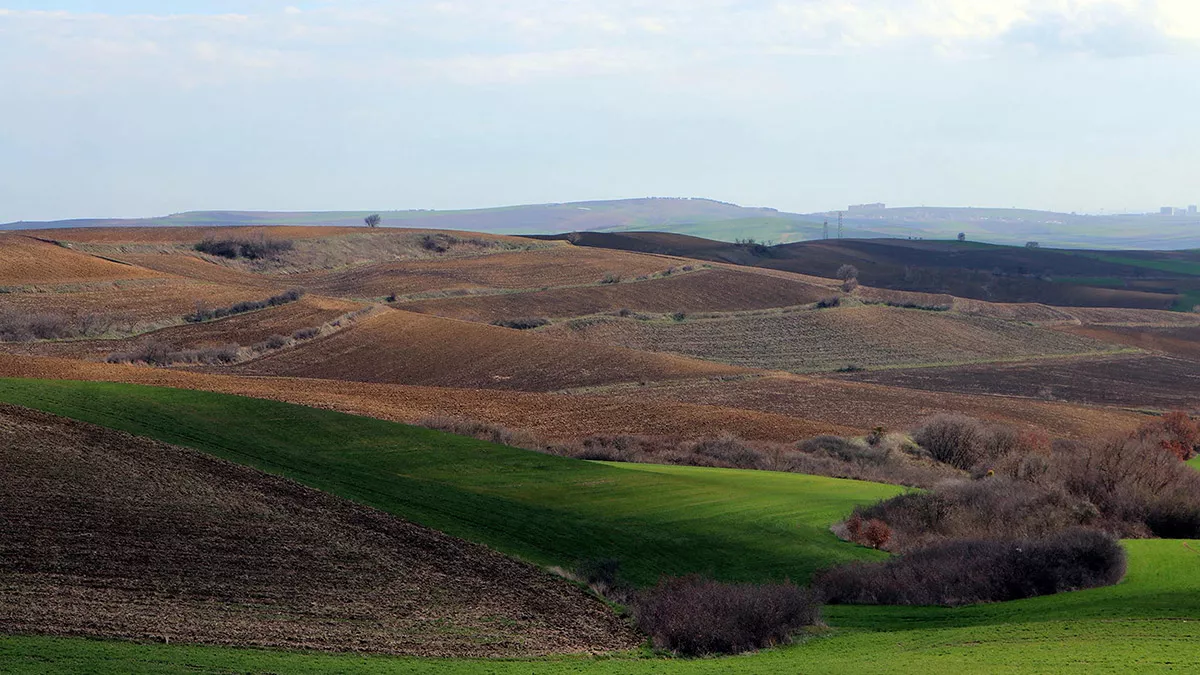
pixel 864 406
pixel 553 416
pixel 25 261
pixel 715 290
pixel 1137 381
pixel 408 348
pixel 830 339
pixel 114 536
pixel 240 329
pixel 1181 341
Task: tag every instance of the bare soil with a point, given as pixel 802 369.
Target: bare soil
pixel 114 536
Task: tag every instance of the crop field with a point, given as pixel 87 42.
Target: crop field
pixel 1137 381
pixel 1119 316
pixel 832 339
pixel 861 405
pixel 410 348
pixel 714 290
pixel 552 416
pixel 111 535
pixel 25 261
pixel 1150 621
pixel 738 525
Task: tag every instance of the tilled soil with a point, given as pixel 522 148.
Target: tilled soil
pixel 110 535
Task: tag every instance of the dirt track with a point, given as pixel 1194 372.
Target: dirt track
pixel 114 536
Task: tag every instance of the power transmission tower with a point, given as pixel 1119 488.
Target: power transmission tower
pixel 825 234
pixel 839 225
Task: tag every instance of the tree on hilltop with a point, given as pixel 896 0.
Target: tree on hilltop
pixel 373 220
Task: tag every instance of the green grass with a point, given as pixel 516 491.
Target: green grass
pixel 1195 461
pixel 733 525
pixel 1186 267
pixel 1148 623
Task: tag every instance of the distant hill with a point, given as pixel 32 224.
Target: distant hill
pixel 723 221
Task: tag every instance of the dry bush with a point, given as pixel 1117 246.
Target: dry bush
pixel 1176 432
pixel 971 571
pixel 250 249
pixel 611 278
pixel 23 326
pixel 492 433
pixel 203 314
pixel 524 323
pixel 156 353
pixel 694 616
pixel 306 333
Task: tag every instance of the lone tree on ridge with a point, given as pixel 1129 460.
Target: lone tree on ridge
pixel 372 220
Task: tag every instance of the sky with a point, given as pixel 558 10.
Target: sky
pixel 129 108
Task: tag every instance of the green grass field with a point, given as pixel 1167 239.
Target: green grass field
pixel 734 525
pixel 657 519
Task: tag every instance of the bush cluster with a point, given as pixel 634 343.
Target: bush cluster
pixel 694 616
pixel 524 323
pixel 250 249
pixel 203 314
pixel 969 571
pixel 155 353
pixel 21 326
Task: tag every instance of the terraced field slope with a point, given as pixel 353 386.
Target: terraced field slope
pixel 409 348
pixel 830 339
pixel 111 535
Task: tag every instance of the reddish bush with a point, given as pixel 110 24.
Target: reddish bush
pixel 876 534
pixel 1175 432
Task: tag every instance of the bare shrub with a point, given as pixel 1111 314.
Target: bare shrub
pixel 484 431
pixel 250 249
pixel 694 616
pixel 847 272
pixel 826 303
pixel 957 440
pixel 306 333
pixel 525 323
pixel 971 571
pixel 611 278
pixel 204 314
pixel 154 353
pixel 849 285
pixel 22 326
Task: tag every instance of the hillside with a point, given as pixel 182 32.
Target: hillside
pixel 110 535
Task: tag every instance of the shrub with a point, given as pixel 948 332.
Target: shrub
pixel 827 303
pixel 22 326
pixel 849 285
pixel 957 440
pixel 275 342
pixel 484 431
pixel 694 616
pixel 965 572
pixel 1176 432
pixel 847 272
pixel 250 249
pixel 436 243
pixel 611 278
pixel 526 323
pixel 203 314
pixel 603 576
pixel 679 316
pixel 306 333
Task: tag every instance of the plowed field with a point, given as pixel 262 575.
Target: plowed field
pixel 408 348
pixel 830 339
pixel 1181 341
pixel 715 290
pixel 1133 381
pixel 147 300
pixel 111 535
pixel 864 406
pixel 27 261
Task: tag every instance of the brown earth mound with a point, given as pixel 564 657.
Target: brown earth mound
pixel 110 535
pixel 408 348
pixel 27 261
pixel 715 290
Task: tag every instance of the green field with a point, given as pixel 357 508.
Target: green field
pixel 734 524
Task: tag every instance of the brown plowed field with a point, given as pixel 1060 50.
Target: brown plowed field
pixel 1182 341
pixel 189 235
pixel 1137 381
pixel 864 406
pixel 109 535
pixel 1117 316
pixel 408 348
pixel 559 265
pixel 191 266
pixel 26 261
pixel 554 416
pixel 715 290
pixel 146 300
pixel 240 329
pixel 830 339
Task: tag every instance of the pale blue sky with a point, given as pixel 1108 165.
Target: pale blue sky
pixel 142 108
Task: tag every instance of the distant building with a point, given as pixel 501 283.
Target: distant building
pixel 1192 210
pixel 867 207
pixel 1167 211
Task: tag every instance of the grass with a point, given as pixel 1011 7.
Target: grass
pixel 1195 461
pixel 734 525
pixel 1148 623
pixel 1186 267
